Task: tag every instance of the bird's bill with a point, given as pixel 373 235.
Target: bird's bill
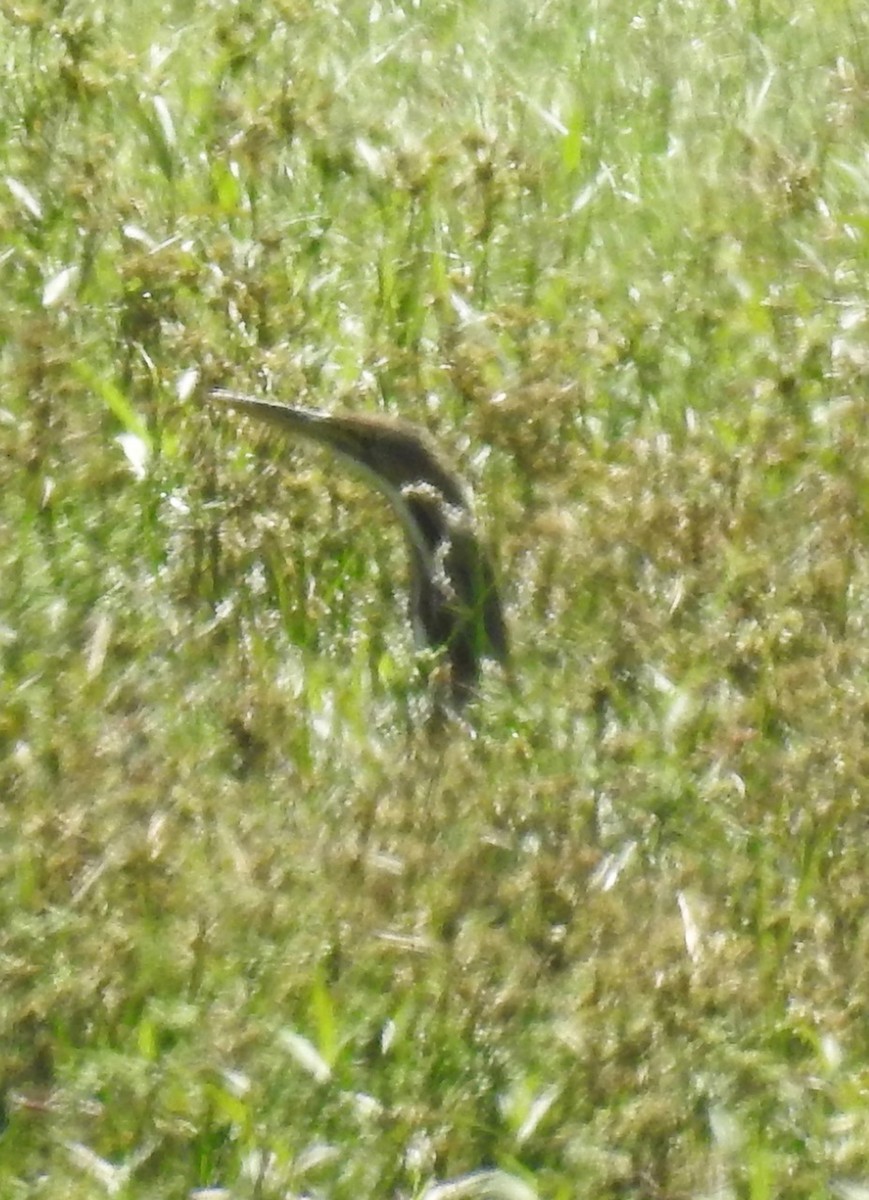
pixel 306 421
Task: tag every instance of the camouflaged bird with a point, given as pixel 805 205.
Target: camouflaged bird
pixel 455 606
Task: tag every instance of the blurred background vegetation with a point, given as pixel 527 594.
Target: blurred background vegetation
pixel 260 935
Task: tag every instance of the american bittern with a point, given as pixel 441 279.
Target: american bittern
pixel 454 601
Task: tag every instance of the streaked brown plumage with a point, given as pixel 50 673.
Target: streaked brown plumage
pixel 455 605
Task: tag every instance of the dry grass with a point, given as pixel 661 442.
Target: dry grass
pixel 260 935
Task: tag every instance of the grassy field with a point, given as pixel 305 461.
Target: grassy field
pixel 262 935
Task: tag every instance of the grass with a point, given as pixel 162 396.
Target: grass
pixel 260 935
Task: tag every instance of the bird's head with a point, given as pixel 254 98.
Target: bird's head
pixel 392 453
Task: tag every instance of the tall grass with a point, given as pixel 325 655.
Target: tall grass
pixel 261 935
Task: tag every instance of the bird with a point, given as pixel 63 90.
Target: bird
pixel 455 603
